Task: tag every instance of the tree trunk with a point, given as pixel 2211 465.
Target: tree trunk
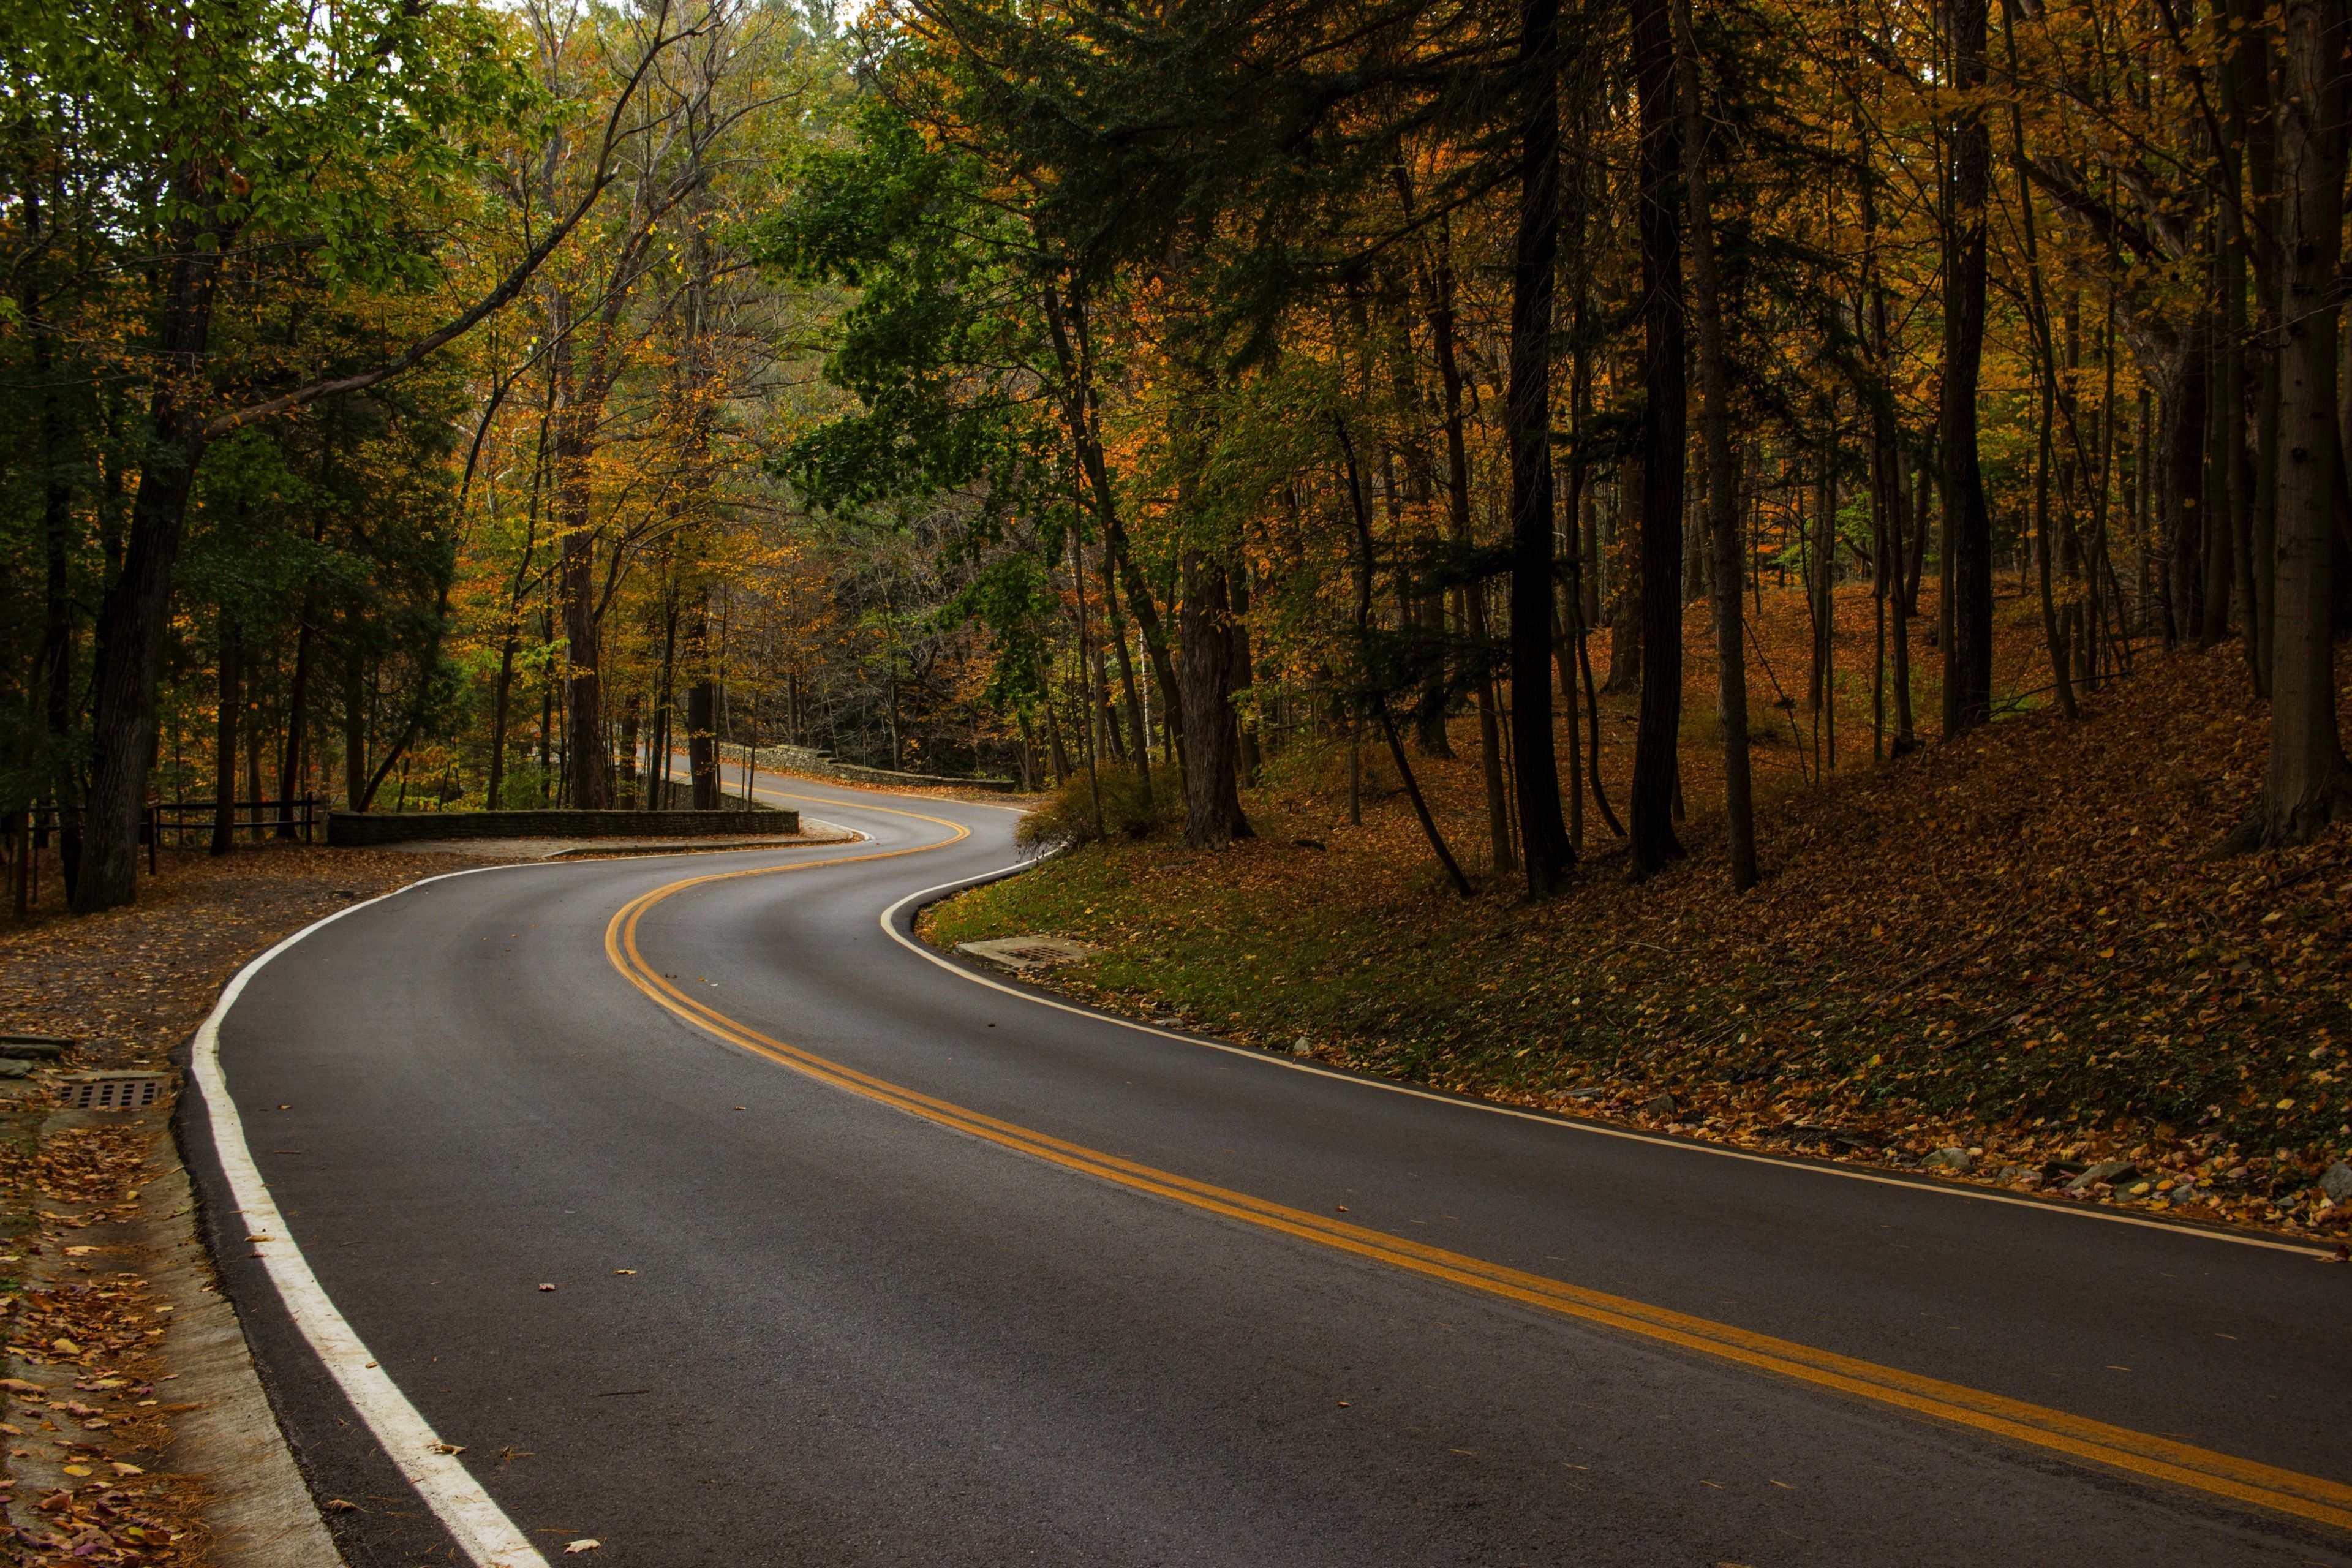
pixel 1544 849
pixel 1625 598
pixel 1473 596
pixel 498 703
pixel 1055 749
pixel 2220 407
pixel 355 735
pixel 2181 557
pixel 1968 528
pixel 2307 782
pixel 701 745
pixel 1663 414
pixel 1079 413
pixel 134 617
pixel 1243 674
pixel 298 712
pixel 225 744
pixel 54 669
pixel 1212 805
pixel 2045 354
pixel 630 798
pixel 1723 472
pixel 579 401
pixel 583 695
pixel 1139 740
pixel 702 712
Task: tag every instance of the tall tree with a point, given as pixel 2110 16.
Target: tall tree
pixel 1658 216
pixel 1968 524
pixel 2307 782
pixel 1722 466
pixel 1544 849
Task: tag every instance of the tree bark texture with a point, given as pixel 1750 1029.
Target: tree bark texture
pixel 231 699
pixel 2307 782
pixel 1723 473
pixel 1544 849
pixel 1968 528
pixel 134 615
pixel 1211 757
pixel 1664 416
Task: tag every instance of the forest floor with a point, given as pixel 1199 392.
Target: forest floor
pixel 130 987
pixel 2004 960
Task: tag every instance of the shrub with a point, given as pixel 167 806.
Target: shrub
pixel 1068 817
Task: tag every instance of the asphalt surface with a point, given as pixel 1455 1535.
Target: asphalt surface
pixel 854 1337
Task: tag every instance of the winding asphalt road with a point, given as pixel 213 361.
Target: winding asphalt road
pixel 859 1260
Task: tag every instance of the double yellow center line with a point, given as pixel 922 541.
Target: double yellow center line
pixel 2312 1498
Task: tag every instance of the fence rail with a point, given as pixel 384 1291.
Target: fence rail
pixel 185 821
pixel 303 815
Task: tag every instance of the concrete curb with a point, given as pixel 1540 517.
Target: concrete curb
pixel 259 1506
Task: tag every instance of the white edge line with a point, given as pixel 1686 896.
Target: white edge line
pixel 480 1526
pixel 1689 1146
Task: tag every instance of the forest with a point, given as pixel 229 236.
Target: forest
pixel 1623 718
pixel 455 406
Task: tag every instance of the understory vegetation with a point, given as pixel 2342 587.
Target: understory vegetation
pixel 2019 947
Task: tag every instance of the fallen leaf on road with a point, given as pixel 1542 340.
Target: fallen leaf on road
pixel 449 1448
pixel 625 1271
pixel 337 1505
pixel 589 1545
pixel 122 1470
pixel 547 1286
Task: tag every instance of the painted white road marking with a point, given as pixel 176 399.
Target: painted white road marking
pixel 480 1526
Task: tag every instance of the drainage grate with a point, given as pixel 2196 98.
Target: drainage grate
pixel 111 1091
pixel 1027 951
pixel 1035 952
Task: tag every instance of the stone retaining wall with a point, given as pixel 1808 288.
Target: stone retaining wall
pixel 681 796
pixel 808 760
pixel 358 829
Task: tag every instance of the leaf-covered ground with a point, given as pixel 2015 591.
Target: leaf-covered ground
pixel 2013 946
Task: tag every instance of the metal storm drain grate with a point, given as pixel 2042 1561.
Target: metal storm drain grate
pixel 1027 951
pixel 111 1091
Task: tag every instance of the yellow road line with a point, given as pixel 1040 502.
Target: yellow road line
pixel 2312 1497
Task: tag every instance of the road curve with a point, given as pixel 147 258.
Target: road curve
pixel 814 1304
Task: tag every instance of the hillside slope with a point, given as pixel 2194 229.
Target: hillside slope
pixel 2013 946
